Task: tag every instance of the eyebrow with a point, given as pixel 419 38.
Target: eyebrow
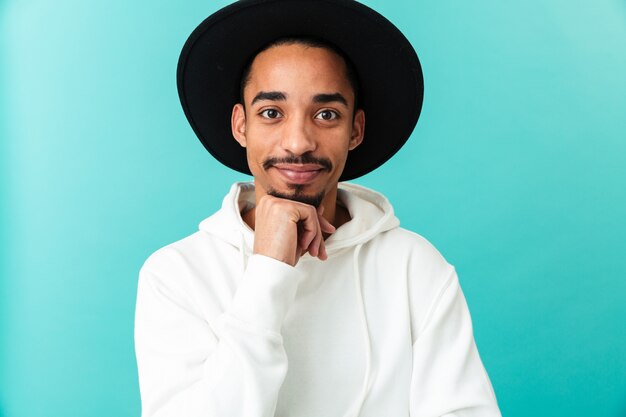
pixel 318 98
pixel 269 95
pixel 330 98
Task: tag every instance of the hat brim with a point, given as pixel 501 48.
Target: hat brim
pixel 390 77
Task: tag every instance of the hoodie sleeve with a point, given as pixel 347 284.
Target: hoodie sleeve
pixel 234 368
pixel 448 378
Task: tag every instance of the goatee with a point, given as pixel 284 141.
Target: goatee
pixel 314 200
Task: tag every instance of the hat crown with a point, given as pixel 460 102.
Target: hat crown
pixel 217 51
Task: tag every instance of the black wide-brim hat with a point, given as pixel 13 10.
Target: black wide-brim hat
pixel 390 77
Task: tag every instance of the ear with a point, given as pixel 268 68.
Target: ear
pixel 238 124
pixel 358 129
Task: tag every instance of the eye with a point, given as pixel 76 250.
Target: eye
pixel 327 115
pixel 270 114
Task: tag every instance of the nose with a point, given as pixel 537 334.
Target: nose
pixel 297 136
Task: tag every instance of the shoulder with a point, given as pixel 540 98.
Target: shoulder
pixel 415 250
pixel 169 268
pixel 176 253
pixel 197 258
pixel 199 272
pixel 425 268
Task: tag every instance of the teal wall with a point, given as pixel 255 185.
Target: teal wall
pixel 516 172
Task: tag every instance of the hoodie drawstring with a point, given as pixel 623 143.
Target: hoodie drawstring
pixel 366 334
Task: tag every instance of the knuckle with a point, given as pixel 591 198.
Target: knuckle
pixel 270 204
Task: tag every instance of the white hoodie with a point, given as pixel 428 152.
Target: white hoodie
pixel 381 328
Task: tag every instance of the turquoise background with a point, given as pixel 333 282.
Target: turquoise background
pixel 516 172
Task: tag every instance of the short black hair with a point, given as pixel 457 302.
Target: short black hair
pixel 313 42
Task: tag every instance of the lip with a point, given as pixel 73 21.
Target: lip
pixel 299 173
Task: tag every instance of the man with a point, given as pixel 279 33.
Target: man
pixel 301 296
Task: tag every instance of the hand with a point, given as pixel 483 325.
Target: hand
pixel 286 229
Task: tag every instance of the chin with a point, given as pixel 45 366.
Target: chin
pixel 297 193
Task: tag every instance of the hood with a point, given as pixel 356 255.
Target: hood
pixel 370 212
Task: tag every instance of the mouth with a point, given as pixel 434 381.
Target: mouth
pixel 299 173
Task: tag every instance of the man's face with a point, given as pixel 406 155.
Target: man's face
pixel 298 123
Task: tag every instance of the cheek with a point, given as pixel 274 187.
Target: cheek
pixel 341 162
pixel 253 158
pixel 260 142
pixel 339 156
pixel 254 148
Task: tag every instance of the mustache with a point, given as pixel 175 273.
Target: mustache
pixel 302 159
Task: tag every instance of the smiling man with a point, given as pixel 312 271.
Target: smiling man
pixel 302 296
pixel 298 123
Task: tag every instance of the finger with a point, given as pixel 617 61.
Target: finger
pixel 310 235
pixel 318 240
pixel 326 226
pixel 306 238
pixel 322 254
pixel 299 253
pixel 310 247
